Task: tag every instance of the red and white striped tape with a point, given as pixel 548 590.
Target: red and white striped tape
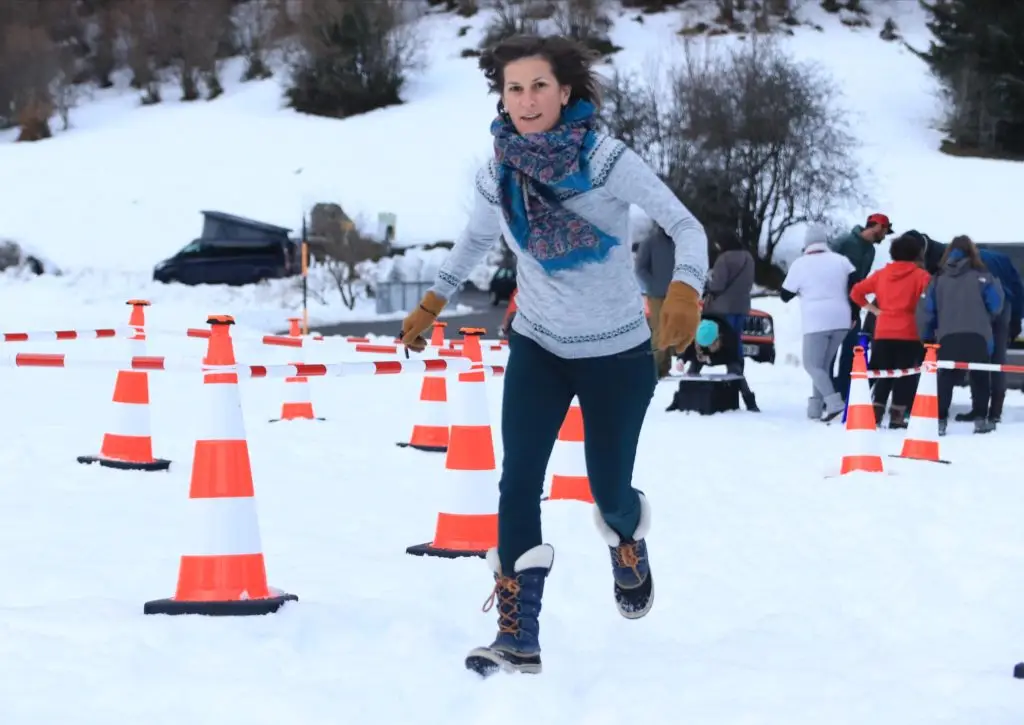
pixel 154 363
pixel 275 340
pixel 947 365
pixel 62 335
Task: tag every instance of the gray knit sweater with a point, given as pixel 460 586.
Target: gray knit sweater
pixel 595 309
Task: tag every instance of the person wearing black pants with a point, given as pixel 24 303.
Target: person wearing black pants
pixel 895 355
pixel 971 348
pixel 1000 343
pixel 957 310
pixel 897 288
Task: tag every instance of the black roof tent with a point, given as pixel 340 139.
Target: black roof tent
pixel 219 225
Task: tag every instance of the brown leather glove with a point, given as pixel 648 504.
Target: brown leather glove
pixel 680 315
pixel 420 320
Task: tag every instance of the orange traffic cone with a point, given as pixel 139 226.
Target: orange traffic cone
pixel 298 404
pixel 223 572
pixel 922 441
pixel 860 422
pixel 432 434
pixel 569 480
pixel 128 444
pixel 437 333
pixel 468 524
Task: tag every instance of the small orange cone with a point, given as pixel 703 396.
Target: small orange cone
pixel 569 480
pixel 222 573
pixel 860 422
pixel 468 525
pixel 437 334
pixel 922 441
pixel 298 404
pixel 431 434
pixel 128 444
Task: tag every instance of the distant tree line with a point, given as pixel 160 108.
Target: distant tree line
pixel 342 57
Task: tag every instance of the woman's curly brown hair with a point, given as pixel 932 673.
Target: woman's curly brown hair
pixel 571 63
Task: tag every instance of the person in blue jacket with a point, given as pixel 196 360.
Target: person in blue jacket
pixel 957 311
pixel 1006 327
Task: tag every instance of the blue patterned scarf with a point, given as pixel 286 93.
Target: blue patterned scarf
pixel 531 169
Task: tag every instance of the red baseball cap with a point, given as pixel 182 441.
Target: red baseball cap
pixel 881 220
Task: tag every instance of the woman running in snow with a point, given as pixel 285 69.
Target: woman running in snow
pixel 560 193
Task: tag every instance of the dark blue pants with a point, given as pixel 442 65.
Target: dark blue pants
pixel 614 393
pixel 738 322
pixel 841 380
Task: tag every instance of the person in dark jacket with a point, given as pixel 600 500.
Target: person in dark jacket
pixel 731 279
pixel 1006 327
pixel 895 344
pixel 654 263
pixel 717 343
pixel 858 245
pixel 957 312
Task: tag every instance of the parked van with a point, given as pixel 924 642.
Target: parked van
pixel 232 250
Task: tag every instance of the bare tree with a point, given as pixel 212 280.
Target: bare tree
pixel 650 6
pixel 748 136
pixel 337 245
pixel 257 24
pixel 587 21
pixel 106 55
pixel 64 89
pixel 354 56
pixel 143 28
pixel 6 69
pixel 511 17
pixel 30 50
pixel 193 32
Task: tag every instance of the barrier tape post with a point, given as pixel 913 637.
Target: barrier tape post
pixel 863 341
pixel 298 402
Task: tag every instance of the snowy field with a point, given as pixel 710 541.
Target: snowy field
pixel 786 595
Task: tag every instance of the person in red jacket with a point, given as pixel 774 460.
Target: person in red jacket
pixel 896 288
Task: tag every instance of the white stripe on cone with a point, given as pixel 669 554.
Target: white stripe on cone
pixel 469 492
pixel 222 420
pixel 129 419
pixel 223 527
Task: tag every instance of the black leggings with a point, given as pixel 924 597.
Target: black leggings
pixel 964 347
pixel 895 355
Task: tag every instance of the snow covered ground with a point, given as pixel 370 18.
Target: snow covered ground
pixel 784 596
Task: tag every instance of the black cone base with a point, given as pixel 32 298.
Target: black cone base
pixel 155 465
pixel 240 608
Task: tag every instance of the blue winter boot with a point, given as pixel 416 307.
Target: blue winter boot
pixel 631 569
pixel 517 646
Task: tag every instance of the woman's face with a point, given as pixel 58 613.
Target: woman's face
pixel 532 97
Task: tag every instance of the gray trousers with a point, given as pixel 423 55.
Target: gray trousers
pixel 819 351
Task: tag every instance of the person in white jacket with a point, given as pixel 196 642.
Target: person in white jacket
pixel 821 279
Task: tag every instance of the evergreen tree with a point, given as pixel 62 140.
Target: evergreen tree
pixel 977 53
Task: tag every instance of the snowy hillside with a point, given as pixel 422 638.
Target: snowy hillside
pixel 123 188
